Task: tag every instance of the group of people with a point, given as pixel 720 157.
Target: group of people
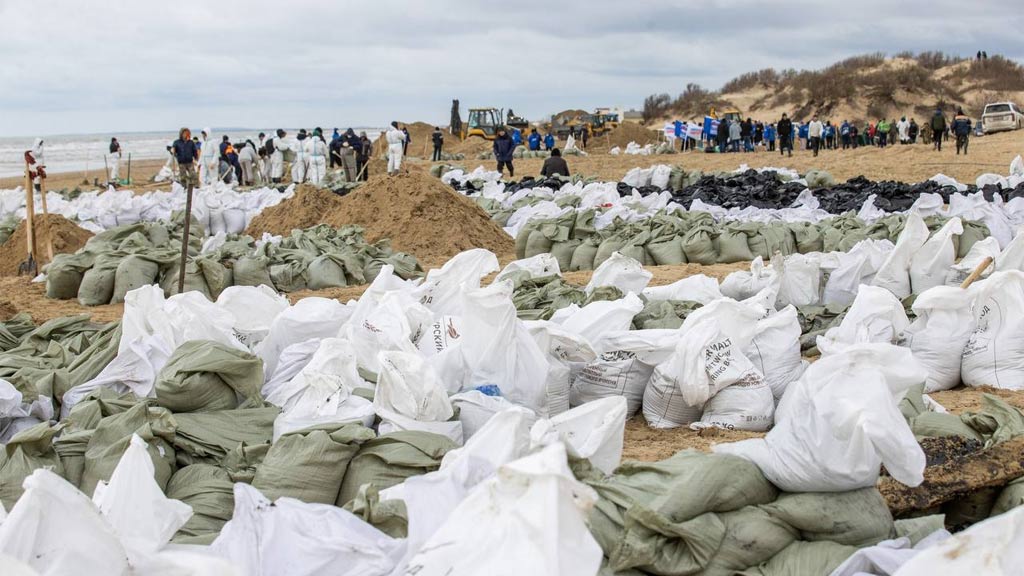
pixel 308 156
pixel 505 146
pixel 814 135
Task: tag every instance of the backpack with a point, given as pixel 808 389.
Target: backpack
pixel 268 146
pixel 938 122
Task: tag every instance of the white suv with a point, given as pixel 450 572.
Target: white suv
pixel 1002 116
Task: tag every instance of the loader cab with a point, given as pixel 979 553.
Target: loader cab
pixel 484 122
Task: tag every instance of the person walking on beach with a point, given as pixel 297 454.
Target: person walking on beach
pixel 503 149
pixel 938 125
pixel 903 128
pixel 408 139
pixel 438 140
pixel 397 142
pixel 770 136
pixel 814 132
pixel 961 128
pixel 186 153
pixel 785 129
pixel 549 142
pixel 735 133
pixel 114 159
pixel 209 159
pixel 882 130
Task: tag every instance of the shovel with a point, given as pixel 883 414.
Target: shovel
pixel 29 266
pixel 976 273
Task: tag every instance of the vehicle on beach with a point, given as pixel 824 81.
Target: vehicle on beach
pixel 1001 116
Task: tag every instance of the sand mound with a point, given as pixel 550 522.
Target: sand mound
pixel 63 234
pixel 307 208
pixel 418 213
pixel 628 132
pixel 470 146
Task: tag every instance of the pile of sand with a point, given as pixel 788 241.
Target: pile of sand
pixel 51 230
pixel 307 208
pixel 627 132
pixel 470 146
pixel 419 214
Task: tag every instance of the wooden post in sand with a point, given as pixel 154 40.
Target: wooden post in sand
pixel 30 207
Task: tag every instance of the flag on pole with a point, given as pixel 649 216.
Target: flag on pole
pixel 710 126
pixel 670 132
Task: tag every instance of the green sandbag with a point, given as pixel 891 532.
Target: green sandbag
pixel 583 256
pixel 524 236
pixel 204 376
pixel 241 462
pixel 802 559
pixel 751 537
pixel 819 179
pixel 252 271
pixel 537 243
pixel 733 247
pixel 972 234
pixel 71 447
pixel 855 518
pixel 97 287
pixel 64 275
pixel 699 247
pixel 26 452
pixel 583 227
pixel 133 272
pixel 1011 496
pixel 667 253
pixel 113 436
pixel 389 516
pixel 997 421
pixel 917 529
pixel 209 436
pixel 325 271
pixel 563 252
pixel 808 237
pixel 310 465
pixel 288 277
pixel 209 491
pixel 390 459
pixel 938 425
pixel 405 265
pixel 608 246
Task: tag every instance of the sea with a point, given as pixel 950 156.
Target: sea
pixel 82 152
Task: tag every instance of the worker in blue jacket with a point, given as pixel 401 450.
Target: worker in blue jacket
pixel 769 136
pixel 549 142
pixel 504 146
pixel 534 139
pixel 804 132
pixel 517 136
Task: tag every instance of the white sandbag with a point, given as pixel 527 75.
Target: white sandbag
pixel 135 506
pixel 937 337
pixel 594 431
pixel 747 404
pixel 622 272
pixel 176 320
pixel 993 547
pixel 800 283
pixel 623 367
pixel 410 397
pixel 498 349
pixel 254 309
pixel 442 334
pixel 696 288
pixel 567 353
pixel 637 177
pixel 894 275
pixel 775 350
pixel 596 319
pixel 308 318
pixel 441 290
pixel 994 354
pixel 930 265
pixel 537 266
pixel 477 408
pixel 333 362
pixel 1012 257
pixel 839 423
pixel 982 249
pixel 875 316
pixel 55 529
pixel 391 323
pixel 431 498
pixel 886 557
pixel 848 270
pixel 744 284
pixel 18 413
pixel 528 519
pixel 660 176
pixel 301 539
pixel 293 359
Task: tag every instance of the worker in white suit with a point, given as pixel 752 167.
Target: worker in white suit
pixel 280 144
pixel 396 146
pixel 315 150
pixel 301 158
pixel 209 159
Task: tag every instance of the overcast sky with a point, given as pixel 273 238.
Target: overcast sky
pixel 72 66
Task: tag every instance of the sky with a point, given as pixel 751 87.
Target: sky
pixel 71 66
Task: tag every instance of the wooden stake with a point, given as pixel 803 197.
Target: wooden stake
pixel 977 272
pixel 30 208
pixel 42 194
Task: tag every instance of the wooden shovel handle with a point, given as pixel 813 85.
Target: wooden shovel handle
pixel 977 272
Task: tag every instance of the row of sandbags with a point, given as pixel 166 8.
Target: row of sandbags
pixel 695 237
pixel 118 260
pixel 218 208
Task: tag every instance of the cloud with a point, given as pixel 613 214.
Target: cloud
pixel 123 65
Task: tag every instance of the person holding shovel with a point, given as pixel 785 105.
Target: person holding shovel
pixel 115 161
